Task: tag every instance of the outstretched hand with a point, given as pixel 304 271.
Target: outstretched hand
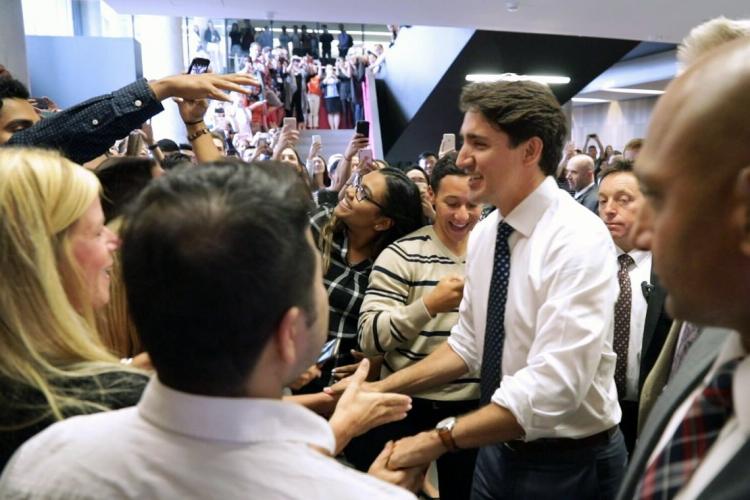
pixel 360 410
pixel 206 85
pixel 410 478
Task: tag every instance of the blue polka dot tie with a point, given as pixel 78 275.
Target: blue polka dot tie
pixel 494 333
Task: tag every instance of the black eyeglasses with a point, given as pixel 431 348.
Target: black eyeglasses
pixel 362 195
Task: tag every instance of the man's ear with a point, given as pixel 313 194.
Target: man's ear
pixel 291 327
pixel 532 151
pixel 742 189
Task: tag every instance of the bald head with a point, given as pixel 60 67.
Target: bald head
pixel 579 172
pixel 695 172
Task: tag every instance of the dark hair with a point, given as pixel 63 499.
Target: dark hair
pixel 207 291
pixel 402 204
pixel 174 160
pixel 522 109
pixel 188 147
pixel 616 167
pixel 424 154
pixel 11 88
pixel 168 146
pixel 445 166
pixel 122 179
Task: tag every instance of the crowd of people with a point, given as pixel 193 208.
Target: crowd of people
pixel 179 322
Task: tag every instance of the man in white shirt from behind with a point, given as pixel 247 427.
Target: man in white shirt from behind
pixel 211 423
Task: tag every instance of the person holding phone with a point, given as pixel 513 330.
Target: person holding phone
pixel 330 85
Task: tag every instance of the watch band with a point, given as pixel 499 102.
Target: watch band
pixel 444 429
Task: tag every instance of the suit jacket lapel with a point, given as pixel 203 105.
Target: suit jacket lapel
pixel 697 362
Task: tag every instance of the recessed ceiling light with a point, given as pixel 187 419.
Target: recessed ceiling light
pixel 512 77
pixel 633 91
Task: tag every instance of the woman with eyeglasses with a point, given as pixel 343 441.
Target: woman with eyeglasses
pixel 376 209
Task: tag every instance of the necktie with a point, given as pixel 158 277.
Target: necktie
pixel 688 335
pixel 622 323
pixel 700 427
pixel 494 334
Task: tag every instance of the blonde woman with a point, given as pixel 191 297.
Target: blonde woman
pixel 56 258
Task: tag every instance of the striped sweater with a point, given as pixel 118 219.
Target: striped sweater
pixel 393 319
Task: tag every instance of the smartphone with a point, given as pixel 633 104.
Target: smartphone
pixel 448 143
pixel 363 128
pixel 316 139
pixel 290 123
pixel 365 155
pixel 329 351
pixel 199 65
pixel 41 102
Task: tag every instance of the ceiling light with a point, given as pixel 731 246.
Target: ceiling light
pixel 633 91
pixel 512 5
pixel 590 100
pixel 512 77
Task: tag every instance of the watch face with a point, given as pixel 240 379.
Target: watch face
pixel 446 423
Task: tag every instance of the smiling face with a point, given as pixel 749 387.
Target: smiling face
pixel 455 214
pixel 364 214
pixel 620 201
pixel 494 166
pixel 92 245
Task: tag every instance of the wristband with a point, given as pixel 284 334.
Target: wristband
pixel 153 146
pixel 197 134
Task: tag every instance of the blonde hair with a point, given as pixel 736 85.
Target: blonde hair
pixel 114 323
pixel 45 341
pixel 709 35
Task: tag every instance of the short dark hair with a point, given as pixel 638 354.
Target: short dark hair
pixel 174 160
pixel 617 166
pixel 445 166
pixel 167 146
pixel 207 291
pixel 10 88
pixel 522 109
pixel 188 147
pixel 424 154
pixel 122 179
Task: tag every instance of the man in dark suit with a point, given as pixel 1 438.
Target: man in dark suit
pixel 580 176
pixel 641 324
pixel 696 179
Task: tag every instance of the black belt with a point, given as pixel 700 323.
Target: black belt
pixel 547 445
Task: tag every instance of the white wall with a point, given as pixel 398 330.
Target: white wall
pixel 12 40
pixel 616 122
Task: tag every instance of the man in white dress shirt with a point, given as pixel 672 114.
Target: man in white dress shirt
pixel 548 428
pixel 641 324
pixel 211 423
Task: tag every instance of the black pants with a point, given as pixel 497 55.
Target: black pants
pixel 455 470
pixel 594 472
pixel 629 423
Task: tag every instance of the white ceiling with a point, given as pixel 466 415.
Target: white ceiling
pixel 650 20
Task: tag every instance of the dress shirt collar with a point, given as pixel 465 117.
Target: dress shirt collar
pixel 583 191
pixel 733 349
pixel 525 216
pixel 238 420
pixel 639 256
